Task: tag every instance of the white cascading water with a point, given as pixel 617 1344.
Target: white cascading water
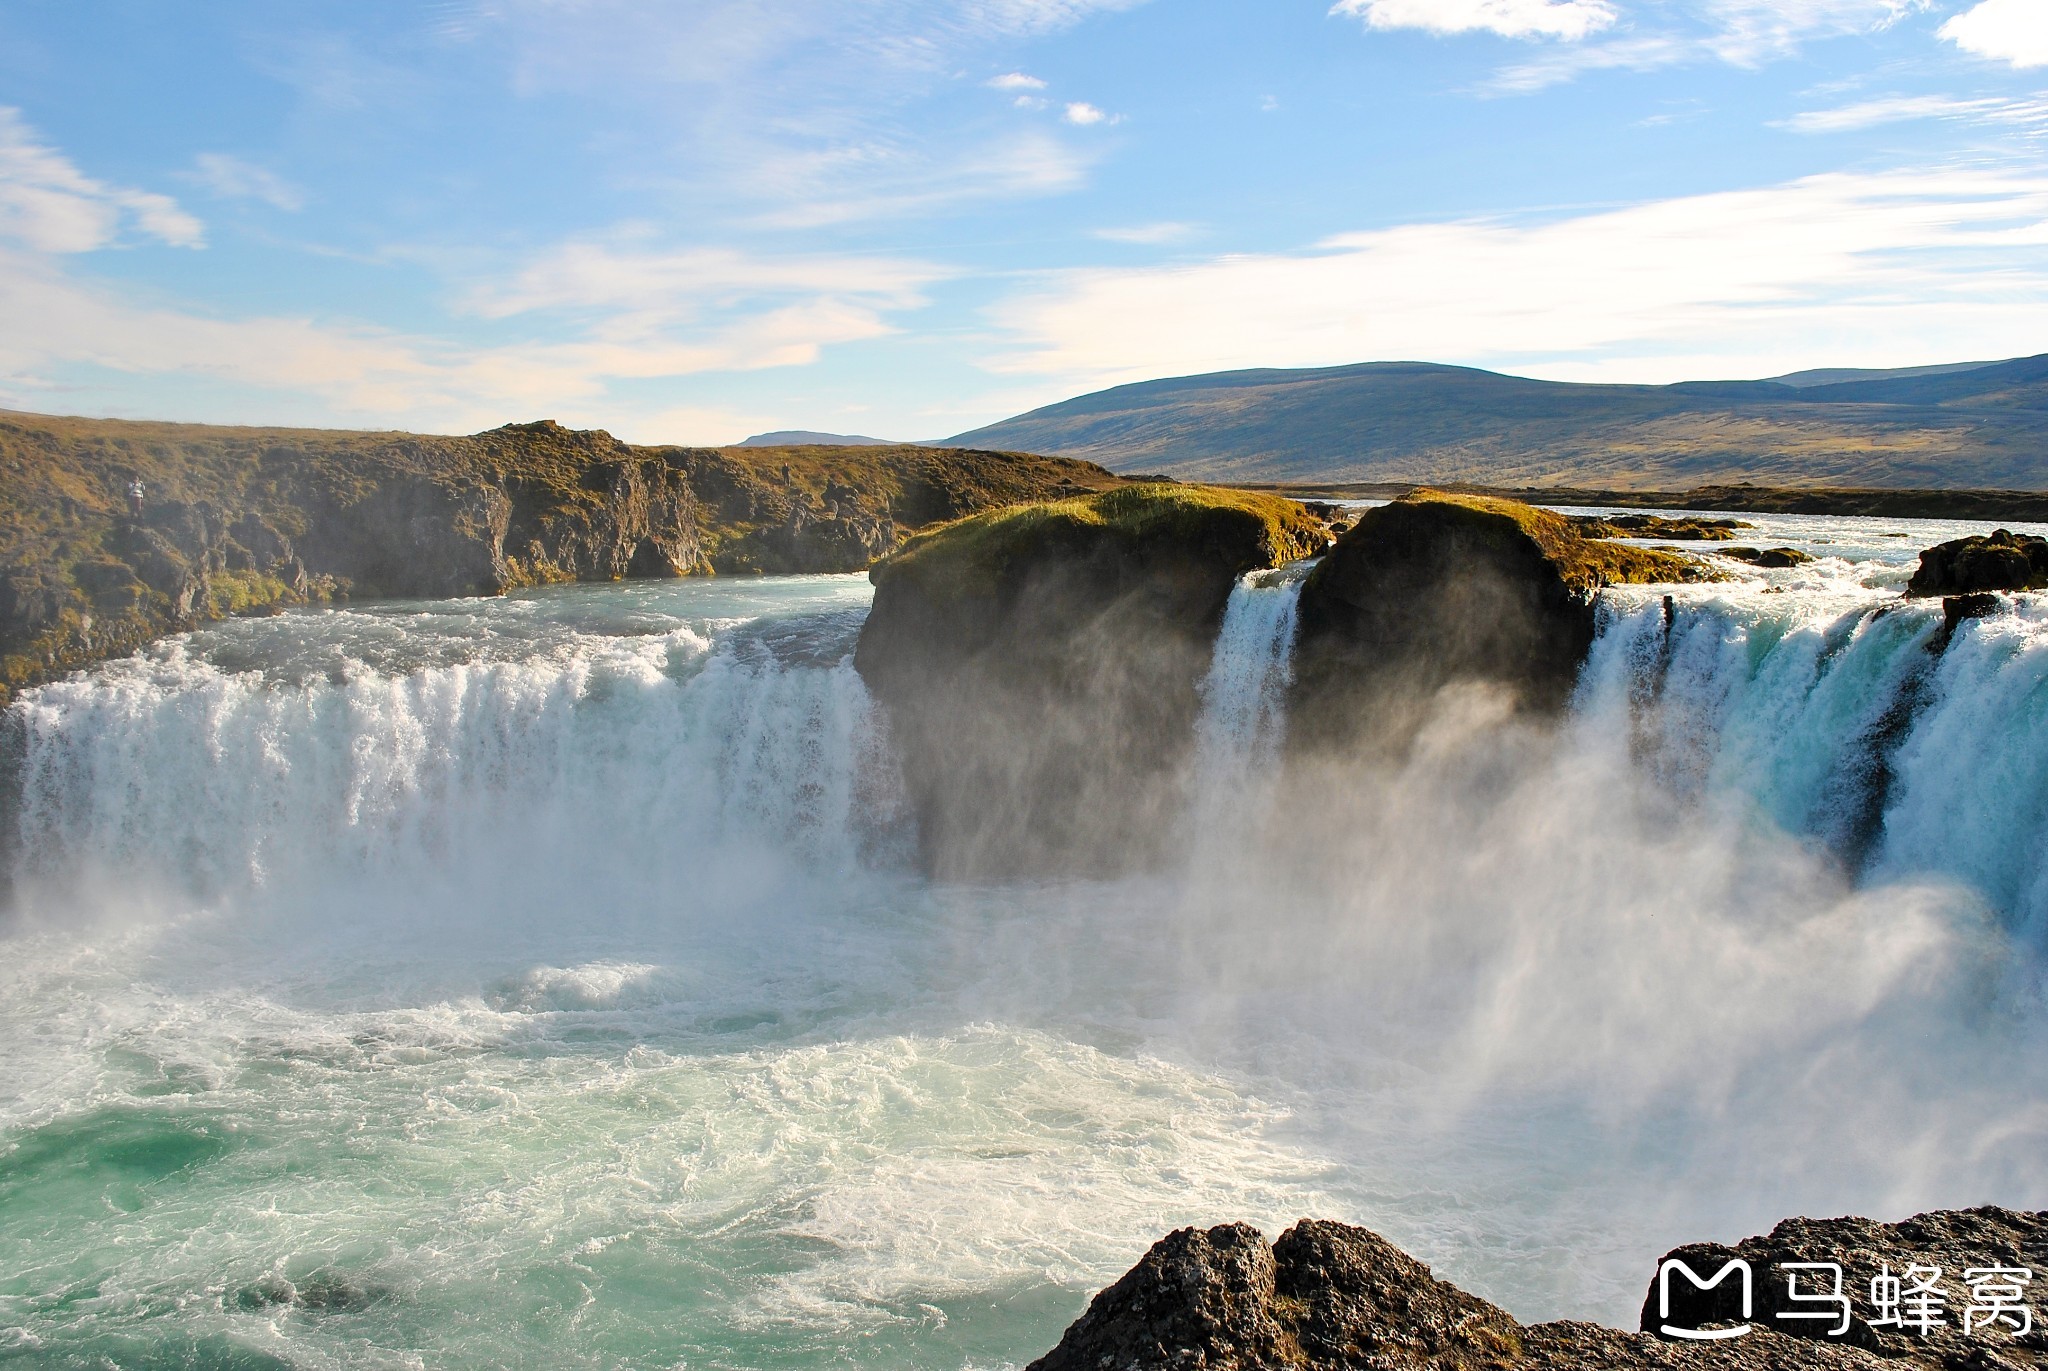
pixel 224 783
pixel 1244 708
pixel 1844 722
pixel 546 971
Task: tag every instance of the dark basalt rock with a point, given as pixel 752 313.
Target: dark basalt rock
pixel 1770 558
pixel 1331 1297
pixel 1040 669
pixel 1437 588
pixel 1958 609
pixel 1998 561
pixel 1690 529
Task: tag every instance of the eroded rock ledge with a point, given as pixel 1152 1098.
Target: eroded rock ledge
pixel 1332 1297
pixel 234 520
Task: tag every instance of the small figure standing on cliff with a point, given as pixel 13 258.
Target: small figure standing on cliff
pixel 135 494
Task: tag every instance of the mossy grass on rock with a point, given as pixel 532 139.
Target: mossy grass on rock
pixel 115 532
pixel 1229 528
pixel 1438 588
pixel 1040 668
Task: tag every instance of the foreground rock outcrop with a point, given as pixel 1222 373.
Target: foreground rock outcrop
pixel 1438 588
pixel 1332 1297
pixel 2002 560
pixel 1040 668
pixel 114 533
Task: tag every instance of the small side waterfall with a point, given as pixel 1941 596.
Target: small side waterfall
pixel 1244 705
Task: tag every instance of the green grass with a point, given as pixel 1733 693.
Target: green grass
pixel 1585 563
pixel 979 551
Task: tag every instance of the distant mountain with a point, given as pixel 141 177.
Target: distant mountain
pixel 1827 376
pixel 1976 425
pixel 803 437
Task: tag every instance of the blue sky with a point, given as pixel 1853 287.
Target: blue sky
pixel 689 221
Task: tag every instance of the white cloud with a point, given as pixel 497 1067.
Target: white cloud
pixel 1081 112
pixel 1566 19
pixel 1146 234
pixel 2014 31
pixel 49 205
pixel 1860 268
pixel 1015 80
pixel 235 179
pixel 1901 108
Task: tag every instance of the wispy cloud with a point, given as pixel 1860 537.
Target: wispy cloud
pixel 353 370
pixel 1898 109
pixel 797 112
pixel 49 205
pixel 886 178
pixel 1083 113
pixel 1146 234
pixel 1863 268
pixel 1742 33
pixel 2014 31
pixel 1564 19
pixel 234 179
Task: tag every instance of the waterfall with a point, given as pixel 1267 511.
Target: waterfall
pixel 1847 723
pixel 667 756
pixel 1244 705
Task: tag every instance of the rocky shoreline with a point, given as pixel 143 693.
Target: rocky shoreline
pixel 1810 1294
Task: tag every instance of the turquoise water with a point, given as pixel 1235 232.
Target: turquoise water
pixel 539 982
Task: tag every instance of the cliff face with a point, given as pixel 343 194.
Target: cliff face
pixel 1041 665
pixel 114 533
pixel 1331 1297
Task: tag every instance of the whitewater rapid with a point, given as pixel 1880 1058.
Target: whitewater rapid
pixel 546 979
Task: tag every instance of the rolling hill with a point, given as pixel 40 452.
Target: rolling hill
pixel 1976 425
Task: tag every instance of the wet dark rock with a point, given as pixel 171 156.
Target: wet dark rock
pixel 1958 609
pixel 1040 669
pixel 1770 558
pixel 1332 1297
pixel 1438 588
pixel 1998 561
pixel 1686 529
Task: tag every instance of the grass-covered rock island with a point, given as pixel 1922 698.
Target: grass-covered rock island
pixel 1041 667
